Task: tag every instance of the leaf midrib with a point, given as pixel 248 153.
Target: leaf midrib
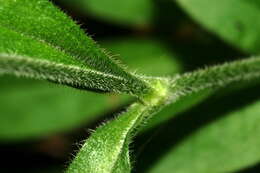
pixel 156 100
pixel 126 137
pixel 184 90
pixel 46 43
pixel 74 67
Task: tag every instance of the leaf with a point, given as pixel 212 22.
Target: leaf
pixel 156 53
pixel 174 109
pixel 51 108
pixel 39 41
pixel 136 52
pixel 127 12
pixel 107 148
pixel 224 18
pixel 194 87
pixel 44 109
pixel 227 144
pixel 106 151
pixel 215 77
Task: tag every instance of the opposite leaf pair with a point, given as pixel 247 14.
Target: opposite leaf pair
pixel 43 43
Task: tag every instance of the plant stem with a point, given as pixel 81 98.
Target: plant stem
pixel 106 151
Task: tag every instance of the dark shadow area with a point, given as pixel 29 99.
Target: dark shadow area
pixel 252 169
pixel 95 28
pixel 167 18
pixel 24 157
pixel 167 136
pixel 195 46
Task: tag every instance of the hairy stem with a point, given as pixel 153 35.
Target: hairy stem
pixel 106 151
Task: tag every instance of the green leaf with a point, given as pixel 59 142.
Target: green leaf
pixel 225 145
pixel 136 52
pixel 127 12
pixel 174 109
pixel 156 53
pixel 161 63
pixel 107 148
pixel 106 151
pixel 233 20
pixel 51 108
pixel 215 77
pixel 31 108
pixel 190 89
pixel 39 41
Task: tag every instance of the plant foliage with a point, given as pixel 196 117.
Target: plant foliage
pixel 39 41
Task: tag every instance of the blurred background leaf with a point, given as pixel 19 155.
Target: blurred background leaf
pixel 234 21
pixel 226 144
pixel 53 108
pixel 133 13
pixel 138 52
pixel 130 12
pixel 214 136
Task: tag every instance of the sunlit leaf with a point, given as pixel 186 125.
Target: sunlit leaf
pixel 107 151
pixel 56 108
pixel 39 41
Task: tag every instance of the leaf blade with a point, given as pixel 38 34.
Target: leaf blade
pixel 43 109
pixel 136 13
pixel 105 154
pixel 42 31
pixel 139 113
pixel 227 144
pixel 60 73
pixel 226 20
pixel 149 49
pixel 194 87
pixel 215 77
pixel 71 104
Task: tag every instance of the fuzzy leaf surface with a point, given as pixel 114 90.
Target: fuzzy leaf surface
pixel 39 41
pixel 56 108
pixel 215 77
pixel 106 151
pixel 107 148
pixel 191 88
